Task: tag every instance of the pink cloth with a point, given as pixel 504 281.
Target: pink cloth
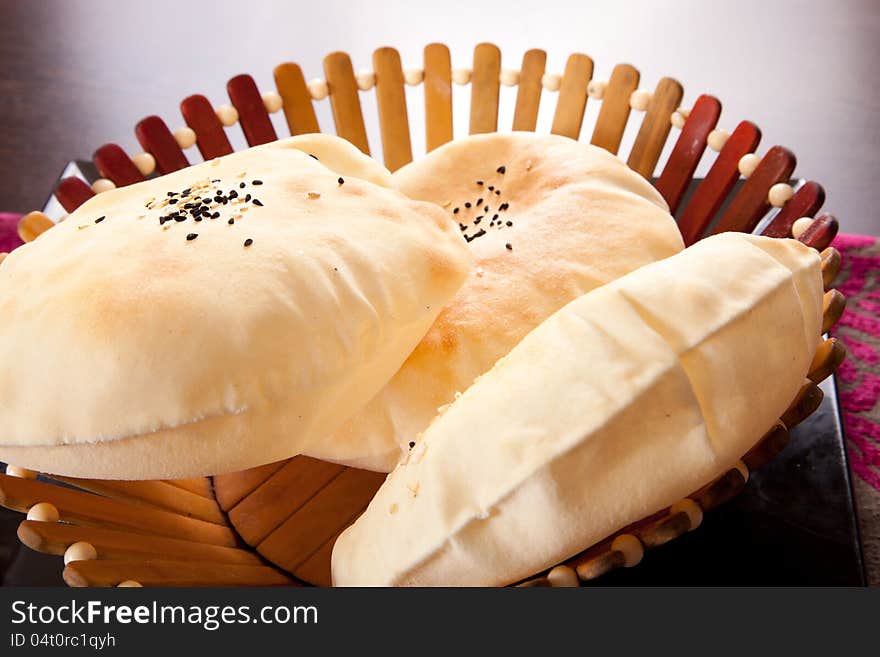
pixel 9 238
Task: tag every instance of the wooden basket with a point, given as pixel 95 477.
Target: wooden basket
pixel 276 524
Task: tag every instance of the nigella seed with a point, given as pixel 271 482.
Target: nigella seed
pixel 494 217
pixel 510 223
pixel 479 201
pixel 491 188
pixel 478 219
pixel 247 198
pixel 508 247
pixel 479 182
pixel 468 204
pixel 233 194
pixel 231 221
pixel 258 202
pixel 241 185
pixel 503 206
pixel 497 192
pixel 412 443
pixel 486 209
pixel 340 180
pixel 191 237
pixel 454 210
pixel 99 219
pixel 215 215
pixel 501 170
pixel 197 218
pixel 249 241
pixel 463 227
pixel 256 182
pixel 179 218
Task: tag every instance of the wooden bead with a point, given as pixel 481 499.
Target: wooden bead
pixel 799 226
pixel 272 101
pixel 21 473
pixel 509 77
pixel 630 547
pixel 779 194
pixel 413 76
pixel 43 512
pixel 366 79
pixel 227 115
pixel 129 584
pixel 717 138
pixel 80 551
pixel 145 163
pixel 748 163
pixel 461 75
pixel 677 119
pixel 551 81
pixel 640 99
pixel 103 185
pixel 318 88
pixel 185 137
pixel 684 111
pixel 691 508
pixel 563 576
pixel 596 89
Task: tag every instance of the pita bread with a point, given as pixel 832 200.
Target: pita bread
pixel 138 349
pixel 579 219
pixel 628 399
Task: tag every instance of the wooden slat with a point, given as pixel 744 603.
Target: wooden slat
pixel 805 203
pixel 303 534
pixel 688 150
pixel 172 573
pixel 821 232
pixel 344 100
pixel 92 510
pixel 710 194
pixel 767 448
pixel 833 305
pixel 153 493
pixel 438 95
pixel 72 193
pixel 199 485
pixel 114 163
pixel 750 202
pixel 231 488
pixel 485 88
pixel 276 499
pixel 316 569
pixel 155 138
pixel 613 114
pixel 655 127
pixel 831 262
pixel 572 101
pixel 827 359
pixel 252 114
pixel 55 537
pixel 528 93
pixel 391 101
pixel 807 400
pixel 298 108
pixel 200 115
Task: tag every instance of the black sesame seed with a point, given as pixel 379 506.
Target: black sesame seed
pixel 186 191
pixel 179 218
pixel 468 204
pixel 454 210
pixel 231 221
pixel 494 217
pixel 206 201
pixel 171 193
pixel 497 192
pixel 218 199
pixel 471 238
pixel 412 443
pixel 247 198
pixel 508 247
pixel 258 202
pixel 510 223
pixel 241 185
pixel 478 219
pixel 479 201
pixel 99 219
pixel 216 180
pixel 191 237
pixel 486 209
pixel 340 180
pixel 215 215
pixel 256 182
pixel 233 194
pixel 503 206
pixel 491 187
pixel 172 201
pixel 501 169
pixel 197 218
pixel 249 241
pixel 463 227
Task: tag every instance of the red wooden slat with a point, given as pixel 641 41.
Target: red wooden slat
pixel 821 232
pixel 709 196
pixel 252 113
pixel 805 203
pixel 199 115
pixel 750 202
pixel 114 163
pixel 156 138
pixel 72 193
pixel 688 150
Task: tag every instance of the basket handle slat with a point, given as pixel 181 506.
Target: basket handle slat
pixel 572 101
pixel 688 150
pixel 232 487
pixel 615 109
pixel 715 187
pixel 172 573
pixel 344 100
pixel 198 485
pixel 155 138
pixel 87 509
pixel 750 203
pixel 56 537
pixel 156 494
pixel 806 202
pixel 199 115
pixel 333 508
pixel 391 102
pixel 821 232
pixel 72 192
pixel 438 95
pixel 277 498
pixel 297 101
pixel 528 93
pixel 655 127
pixel 252 114
pixel 114 163
pixel 485 88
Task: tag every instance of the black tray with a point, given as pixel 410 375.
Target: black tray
pixel 794 524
